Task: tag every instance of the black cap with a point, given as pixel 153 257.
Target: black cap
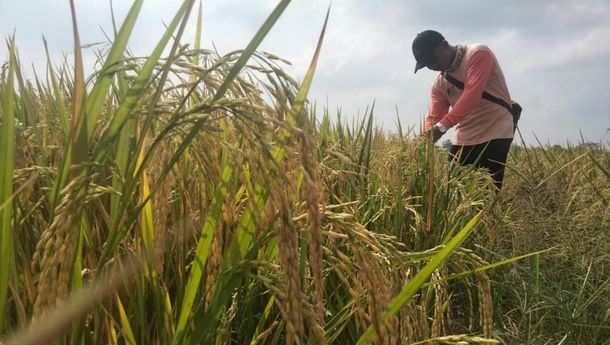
pixel 423 45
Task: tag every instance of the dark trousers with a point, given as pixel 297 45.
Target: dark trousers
pixel 490 155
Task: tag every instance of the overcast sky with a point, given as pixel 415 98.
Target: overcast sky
pixel 555 54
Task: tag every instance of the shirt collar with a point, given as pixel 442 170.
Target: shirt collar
pixel 457 60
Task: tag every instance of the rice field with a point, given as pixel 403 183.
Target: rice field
pixel 190 197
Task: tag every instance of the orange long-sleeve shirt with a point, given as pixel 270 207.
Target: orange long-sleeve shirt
pixel 478 120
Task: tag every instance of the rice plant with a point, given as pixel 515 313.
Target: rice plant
pixel 193 197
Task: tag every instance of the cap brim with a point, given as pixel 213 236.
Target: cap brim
pixel 419 66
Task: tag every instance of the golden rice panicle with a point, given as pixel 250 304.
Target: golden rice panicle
pixel 213 264
pixel 352 285
pixel 485 304
pixel 483 291
pixel 374 291
pixel 162 204
pixel 387 293
pixel 316 329
pixel 408 331
pixel 56 251
pixel 439 300
pixel 313 196
pixel 288 245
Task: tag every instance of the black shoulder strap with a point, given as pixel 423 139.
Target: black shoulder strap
pixel 485 95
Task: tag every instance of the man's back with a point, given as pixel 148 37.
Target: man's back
pixel 485 120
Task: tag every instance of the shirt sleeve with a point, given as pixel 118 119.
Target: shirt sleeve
pixel 438 107
pixel 480 68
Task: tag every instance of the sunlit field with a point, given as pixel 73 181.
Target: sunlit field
pixel 194 197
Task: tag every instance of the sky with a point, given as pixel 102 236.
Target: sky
pixel 555 55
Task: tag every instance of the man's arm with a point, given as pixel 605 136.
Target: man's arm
pixel 480 68
pixel 438 107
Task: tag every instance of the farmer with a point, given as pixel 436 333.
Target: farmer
pixel 483 126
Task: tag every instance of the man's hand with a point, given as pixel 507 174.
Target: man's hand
pixel 433 133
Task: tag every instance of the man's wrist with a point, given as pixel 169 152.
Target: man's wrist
pixel 441 127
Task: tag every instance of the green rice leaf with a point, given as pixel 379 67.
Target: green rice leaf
pixel 136 91
pixel 411 288
pixel 7 162
pixel 203 247
pixel 99 92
